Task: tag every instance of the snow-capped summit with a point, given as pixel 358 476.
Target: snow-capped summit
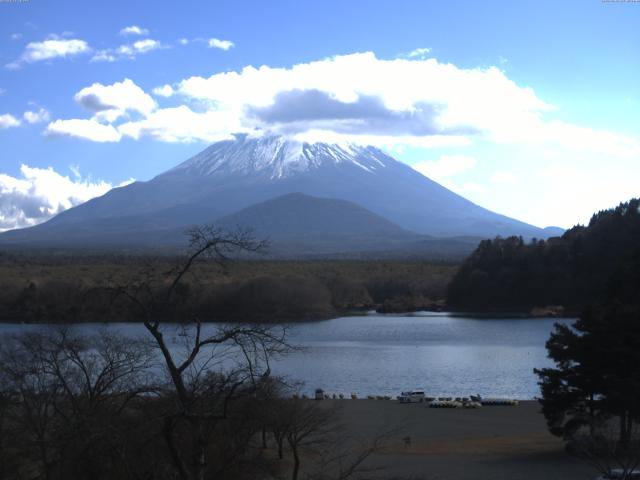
pixel 233 175
pixel 277 157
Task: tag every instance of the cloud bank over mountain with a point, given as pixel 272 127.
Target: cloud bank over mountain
pixel 358 97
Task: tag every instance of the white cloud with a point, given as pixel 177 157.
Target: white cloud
pixel 39 193
pixel 104 56
pixel 49 49
pixel 503 177
pixel 420 96
pixel 8 121
pixel 446 166
pixel 140 46
pixel 570 192
pixel 111 102
pixel 553 184
pixel 134 30
pixel 75 169
pixel 453 172
pixel 41 115
pixel 163 91
pixel 572 136
pixel 446 169
pixel 16 36
pixel 468 187
pixel 183 41
pixel 362 98
pixel 181 124
pixel 108 103
pixel 129 51
pixel 221 44
pixel 85 129
pixel 419 53
pixel 2 91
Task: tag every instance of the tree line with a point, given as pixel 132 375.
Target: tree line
pixel 46 289
pixel 574 270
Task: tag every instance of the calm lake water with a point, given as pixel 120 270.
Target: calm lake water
pixel 384 354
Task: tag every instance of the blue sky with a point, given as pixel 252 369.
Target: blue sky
pixel 527 108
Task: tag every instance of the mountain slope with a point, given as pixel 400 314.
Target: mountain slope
pixel 298 224
pixel 300 215
pixel 231 175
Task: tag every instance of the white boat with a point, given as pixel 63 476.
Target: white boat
pixel 412 396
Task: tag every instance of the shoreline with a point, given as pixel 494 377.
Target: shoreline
pixel 475 315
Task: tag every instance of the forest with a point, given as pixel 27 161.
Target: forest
pixel 69 289
pixel 504 274
pixel 576 270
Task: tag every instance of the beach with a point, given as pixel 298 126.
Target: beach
pixel 491 442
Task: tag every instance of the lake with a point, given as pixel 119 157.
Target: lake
pixel 440 353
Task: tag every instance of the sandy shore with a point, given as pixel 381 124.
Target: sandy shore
pixel 459 444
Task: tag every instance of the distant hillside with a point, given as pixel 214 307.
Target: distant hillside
pixel 299 215
pixel 575 270
pixel 299 225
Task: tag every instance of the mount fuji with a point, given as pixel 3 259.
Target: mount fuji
pixel 383 199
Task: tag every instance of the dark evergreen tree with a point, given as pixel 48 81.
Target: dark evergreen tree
pixel 596 381
pixel 597 371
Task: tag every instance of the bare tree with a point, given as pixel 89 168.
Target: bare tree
pixel 346 457
pixel 35 394
pixel 239 354
pixel 313 431
pixel 309 425
pixel 7 464
pixel 599 444
pixel 67 391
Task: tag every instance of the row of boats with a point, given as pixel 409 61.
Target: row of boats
pixel 417 396
pixel 473 401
